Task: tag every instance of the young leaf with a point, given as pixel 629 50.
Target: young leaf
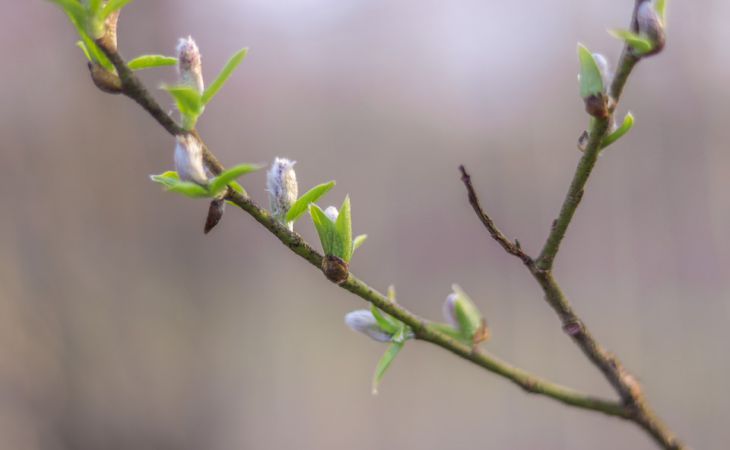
pixel 661 10
pixel 358 241
pixel 385 321
pixel 384 363
pixel 638 43
pixel 188 103
pixel 620 132
pixel 82 46
pixel 111 6
pixel 223 76
pixel 94 6
pixel 237 187
pixel 166 179
pixel 325 229
pixel 591 81
pixel 300 206
pixel 344 230
pixel 150 61
pixel 467 314
pixel 189 189
pixel 452 332
pixel 220 182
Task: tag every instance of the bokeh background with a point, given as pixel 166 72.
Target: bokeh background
pixel 123 327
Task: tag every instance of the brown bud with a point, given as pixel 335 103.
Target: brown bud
pixel 215 213
pixel 105 80
pixel 335 269
pixel 482 334
pixel 597 106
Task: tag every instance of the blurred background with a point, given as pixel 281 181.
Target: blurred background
pixel 123 327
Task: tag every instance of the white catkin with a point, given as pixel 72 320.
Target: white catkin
pixel 189 65
pixel 364 322
pixel 189 159
pixel 281 184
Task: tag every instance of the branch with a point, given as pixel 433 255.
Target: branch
pixel 424 330
pixel 625 384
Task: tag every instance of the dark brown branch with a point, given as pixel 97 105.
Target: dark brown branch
pixel 513 248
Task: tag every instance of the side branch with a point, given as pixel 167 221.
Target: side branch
pixel 513 248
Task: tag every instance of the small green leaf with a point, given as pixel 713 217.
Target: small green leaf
pixel 188 103
pixel 661 10
pixel 220 182
pixel 167 179
pixel 150 61
pixel 385 321
pixel 620 132
pixel 300 206
pixel 640 44
pixel 111 6
pixel 189 189
pixel 94 6
pixel 467 314
pixel 385 361
pixel 344 230
pixel 82 46
pixel 171 181
pixel 238 188
pixel 325 228
pixel 358 241
pixel 591 81
pixel 223 76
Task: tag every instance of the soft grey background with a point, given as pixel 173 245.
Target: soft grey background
pixel 123 327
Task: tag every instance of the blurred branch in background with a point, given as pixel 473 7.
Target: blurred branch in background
pixel 200 174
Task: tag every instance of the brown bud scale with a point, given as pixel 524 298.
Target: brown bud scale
pixel 335 269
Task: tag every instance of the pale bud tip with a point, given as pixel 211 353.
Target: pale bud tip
pixel 332 213
pixel 189 64
pixel 364 322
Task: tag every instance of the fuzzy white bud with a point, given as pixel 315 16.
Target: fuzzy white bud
pixel 281 184
pixel 332 213
pixel 604 68
pixel 189 159
pixel 364 322
pixel 189 64
pixel 449 310
pixel 650 24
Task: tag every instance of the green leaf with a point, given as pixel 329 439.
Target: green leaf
pixel 467 314
pixel 82 46
pixel 358 241
pixel 620 132
pixel 300 206
pixel 111 6
pixel 150 61
pixel 220 182
pixel 325 229
pixel 167 179
pixel 188 103
pixel 591 81
pixel 386 323
pixel 640 44
pixel 94 6
pixel 385 361
pixel 237 187
pixel 661 10
pixel 189 189
pixel 171 181
pixel 344 230
pixel 223 76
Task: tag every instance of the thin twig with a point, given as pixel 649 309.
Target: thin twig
pixel 513 248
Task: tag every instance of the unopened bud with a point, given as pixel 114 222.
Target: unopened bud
pixel 189 159
pixel 105 80
pixel 215 214
pixel 281 184
pixel 604 68
pixel 335 269
pixel 189 64
pixel 651 25
pixel 332 213
pixel 461 313
pixel 364 322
